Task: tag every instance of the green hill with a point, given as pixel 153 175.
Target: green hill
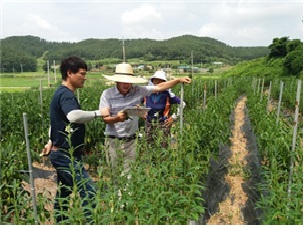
pixel 26 50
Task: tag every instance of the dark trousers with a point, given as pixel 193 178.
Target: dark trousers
pixel 86 188
pixel 157 131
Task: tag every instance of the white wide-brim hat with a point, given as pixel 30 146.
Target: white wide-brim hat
pixel 124 73
pixel 159 75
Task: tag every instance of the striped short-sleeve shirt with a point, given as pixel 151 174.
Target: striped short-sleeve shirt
pixel 111 98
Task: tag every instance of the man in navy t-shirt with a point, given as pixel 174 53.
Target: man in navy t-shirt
pixel 63 102
pixel 66 142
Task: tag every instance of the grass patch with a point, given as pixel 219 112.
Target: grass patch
pixel 26 80
pixel 22 82
pixel 13 90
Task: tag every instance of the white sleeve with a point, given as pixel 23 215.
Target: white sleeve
pixel 179 108
pixel 171 93
pixel 80 116
pixel 178 111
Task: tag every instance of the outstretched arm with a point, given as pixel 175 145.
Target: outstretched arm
pixel 80 116
pixel 167 85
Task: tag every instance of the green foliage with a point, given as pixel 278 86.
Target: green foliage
pixel 274 143
pixel 211 70
pixel 269 68
pixel 278 47
pixel 11 176
pixel 293 62
pixel 291 52
pixel 16 60
pixel 257 68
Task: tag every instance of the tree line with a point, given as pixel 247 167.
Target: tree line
pixel 23 51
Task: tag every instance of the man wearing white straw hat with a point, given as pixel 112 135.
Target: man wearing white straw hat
pixel 121 130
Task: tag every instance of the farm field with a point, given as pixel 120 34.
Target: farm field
pixel 21 81
pixel 236 155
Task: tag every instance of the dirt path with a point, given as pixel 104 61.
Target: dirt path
pixel 230 209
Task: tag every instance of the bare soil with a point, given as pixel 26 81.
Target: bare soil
pixel 230 209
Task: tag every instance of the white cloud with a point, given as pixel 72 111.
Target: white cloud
pixel 252 23
pixel 37 22
pixel 144 14
pixel 142 22
pixel 237 23
pixel 36 25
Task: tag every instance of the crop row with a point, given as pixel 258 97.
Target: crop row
pixel 167 193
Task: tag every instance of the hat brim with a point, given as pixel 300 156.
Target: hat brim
pixel 151 79
pixel 125 78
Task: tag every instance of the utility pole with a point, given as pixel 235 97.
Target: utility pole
pixel 192 69
pixel 54 71
pixel 48 73
pixel 191 64
pixel 123 50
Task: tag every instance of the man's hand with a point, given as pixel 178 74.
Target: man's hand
pixel 122 116
pixel 47 149
pixel 185 80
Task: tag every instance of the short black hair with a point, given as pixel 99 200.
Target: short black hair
pixel 72 64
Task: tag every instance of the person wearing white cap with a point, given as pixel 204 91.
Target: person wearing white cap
pixel 121 130
pixel 158 117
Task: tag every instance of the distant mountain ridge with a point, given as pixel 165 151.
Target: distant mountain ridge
pixel 204 50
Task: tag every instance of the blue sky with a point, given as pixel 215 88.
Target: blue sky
pixel 236 23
